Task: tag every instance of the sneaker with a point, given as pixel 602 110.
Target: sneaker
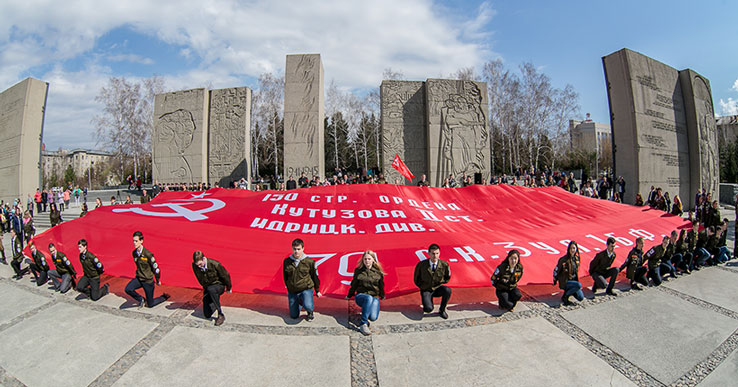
pixel 219 321
pixel 610 292
pixel 364 329
pixel 310 316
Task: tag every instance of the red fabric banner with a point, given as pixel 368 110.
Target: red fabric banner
pixel 251 232
pixel 402 168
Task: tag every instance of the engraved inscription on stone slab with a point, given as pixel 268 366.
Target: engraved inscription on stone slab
pixel 304 116
pixel 458 133
pixel 22 109
pixel 180 137
pixel 403 128
pixel 229 147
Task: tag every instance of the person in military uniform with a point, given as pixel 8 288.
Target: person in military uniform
pixel 636 272
pixel 301 278
pixel 62 277
pixel 505 280
pixel 368 286
pixel 2 248
pixel 423 182
pixel 145 197
pixel 89 284
pixel 17 246
pixel 681 258
pixel 215 280
pixel 566 274
pixel 600 268
pixel 430 276
pixel 655 267
pixel 39 267
pixel 84 210
pixel 146 271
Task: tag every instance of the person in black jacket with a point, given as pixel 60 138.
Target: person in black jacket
pixel 636 272
pixel 368 285
pixel 505 280
pixel 600 268
pixel 63 276
pixel 430 276
pixel 89 284
pixel 215 280
pixel 39 267
pixel 566 274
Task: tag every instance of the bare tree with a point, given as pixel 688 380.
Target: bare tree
pixel 268 114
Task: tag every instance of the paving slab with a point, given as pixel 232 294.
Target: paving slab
pixel 200 357
pixel 67 345
pixel 16 301
pixel 660 333
pixel 524 352
pixel 726 374
pixel 711 284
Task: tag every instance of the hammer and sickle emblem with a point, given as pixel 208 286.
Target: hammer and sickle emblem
pixel 179 208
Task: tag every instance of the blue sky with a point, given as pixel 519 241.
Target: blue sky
pixel 227 43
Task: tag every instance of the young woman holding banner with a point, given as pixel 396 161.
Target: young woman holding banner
pixel 368 285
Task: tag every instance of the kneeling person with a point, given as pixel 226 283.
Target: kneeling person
pixel 430 276
pixel 301 278
pixel 505 280
pixel 600 269
pixel 368 285
pixel 63 275
pixel 215 280
pixel 89 284
pixel 16 244
pixel 39 267
pixel 146 270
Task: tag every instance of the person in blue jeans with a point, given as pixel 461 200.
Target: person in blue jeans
pixel 368 286
pixel 566 274
pixel 301 278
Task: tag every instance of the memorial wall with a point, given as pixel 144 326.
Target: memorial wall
pixel 655 114
pixel 22 109
pixel 403 128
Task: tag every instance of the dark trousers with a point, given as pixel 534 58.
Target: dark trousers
pixel 427 298
pixel 599 279
pixel 655 273
pixel 211 300
pixel 62 282
pixel 90 287
pixel 640 276
pixel 39 274
pixel 38 207
pixel 16 265
pixel 508 298
pixel 148 288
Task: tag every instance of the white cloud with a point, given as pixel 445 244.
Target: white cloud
pixel 226 41
pixel 735 85
pixel 729 107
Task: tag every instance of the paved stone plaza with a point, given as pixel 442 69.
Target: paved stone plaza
pixel 684 332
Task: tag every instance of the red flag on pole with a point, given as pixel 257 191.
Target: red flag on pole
pixel 402 168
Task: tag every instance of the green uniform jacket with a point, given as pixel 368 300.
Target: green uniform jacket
pixel 601 262
pixel 691 240
pixel 91 266
pixel 62 264
pixel 712 244
pixel 681 245
pixel 567 269
pixel 301 277
pixel 146 267
pixel 428 280
pixel 214 274
pixel 654 256
pixel 370 282
pixel 634 261
pixel 40 260
pixel 17 249
pixel 504 278
pixel 145 199
pixel 723 241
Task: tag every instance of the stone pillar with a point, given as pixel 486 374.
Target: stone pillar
pixel 704 157
pixel 458 131
pixel 229 150
pixel 304 116
pixel 649 126
pixel 403 128
pixel 22 110
pixel 180 138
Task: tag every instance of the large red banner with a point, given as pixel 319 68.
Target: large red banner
pixel 251 232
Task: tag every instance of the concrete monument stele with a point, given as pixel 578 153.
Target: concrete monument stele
pixel 22 110
pixel 304 116
pixel 663 125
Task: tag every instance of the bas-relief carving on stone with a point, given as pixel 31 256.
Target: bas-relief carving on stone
pixel 709 160
pixel 303 116
pixel 177 131
pixel 229 142
pixel 403 129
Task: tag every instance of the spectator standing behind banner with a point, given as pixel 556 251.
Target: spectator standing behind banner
pixel 368 285
pixel 54 215
pixel 430 276
pixel 215 280
pixel 301 278
pixel 505 280
pixel 567 276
